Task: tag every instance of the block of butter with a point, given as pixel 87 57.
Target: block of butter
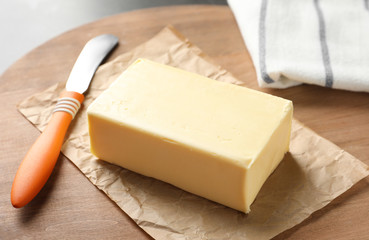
pixel 214 139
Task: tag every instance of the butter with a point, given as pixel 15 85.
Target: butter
pixel 214 139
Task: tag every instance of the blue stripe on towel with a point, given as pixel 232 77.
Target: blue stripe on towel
pixel 264 75
pixel 324 46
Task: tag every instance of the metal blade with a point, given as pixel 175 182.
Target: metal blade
pixel 88 61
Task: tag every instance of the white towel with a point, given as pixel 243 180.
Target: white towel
pixel 322 42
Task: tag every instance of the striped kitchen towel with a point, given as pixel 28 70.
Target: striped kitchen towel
pixel 322 42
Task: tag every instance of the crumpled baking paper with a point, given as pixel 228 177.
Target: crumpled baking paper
pixel 311 175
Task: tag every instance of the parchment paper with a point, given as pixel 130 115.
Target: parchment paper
pixel 311 175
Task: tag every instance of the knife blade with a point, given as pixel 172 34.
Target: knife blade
pixel 41 158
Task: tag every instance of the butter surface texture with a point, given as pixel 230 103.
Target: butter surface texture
pixel 214 139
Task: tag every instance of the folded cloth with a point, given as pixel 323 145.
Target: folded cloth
pixel 322 42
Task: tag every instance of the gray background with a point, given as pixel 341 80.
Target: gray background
pixel 26 24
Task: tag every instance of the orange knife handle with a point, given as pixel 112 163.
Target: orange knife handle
pixel 40 160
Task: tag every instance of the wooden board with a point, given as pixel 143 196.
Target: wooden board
pixel 70 207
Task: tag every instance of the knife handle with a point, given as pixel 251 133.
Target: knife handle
pixel 40 160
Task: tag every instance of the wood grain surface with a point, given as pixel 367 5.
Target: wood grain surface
pixel 70 207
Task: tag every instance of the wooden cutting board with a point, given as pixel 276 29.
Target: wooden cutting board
pixel 70 207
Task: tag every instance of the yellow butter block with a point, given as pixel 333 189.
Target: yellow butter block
pixel 214 139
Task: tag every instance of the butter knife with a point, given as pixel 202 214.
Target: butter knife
pixel 40 160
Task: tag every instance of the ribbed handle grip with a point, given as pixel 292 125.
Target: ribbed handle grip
pixel 40 160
